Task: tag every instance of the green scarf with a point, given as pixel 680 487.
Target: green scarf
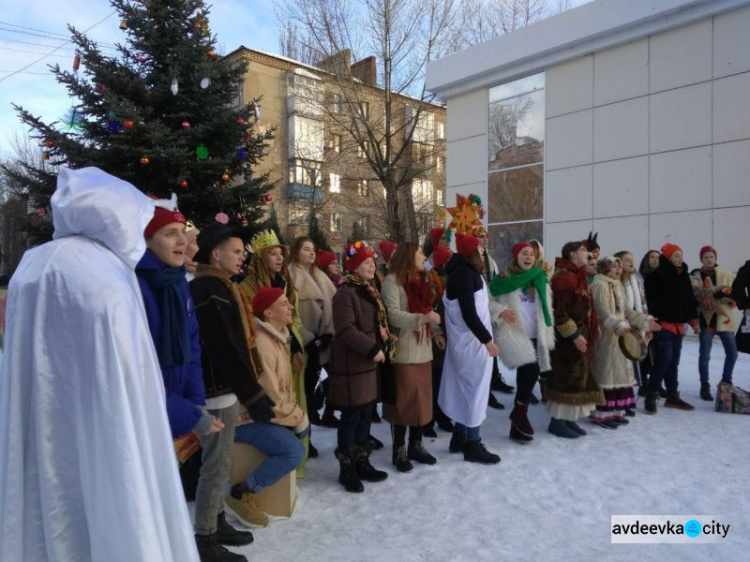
pixel 535 277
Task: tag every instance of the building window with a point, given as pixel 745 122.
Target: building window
pixel 363 225
pixel 364 109
pixel 334 143
pixel 420 126
pixel 515 181
pixel 304 172
pixel 335 183
pixel 363 188
pixel 440 164
pixel 440 197
pixel 336 222
pixel 440 130
pixel 336 104
pixel 363 149
pixel 297 214
pixel 422 192
pixel 306 138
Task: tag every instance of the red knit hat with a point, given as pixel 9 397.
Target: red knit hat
pixel 516 249
pixel 357 253
pixel 706 249
pixel 435 235
pixel 466 244
pixel 264 299
pixel 162 217
pixel 325 258
pixel 440 256
pixel 386 248
pixel 668 249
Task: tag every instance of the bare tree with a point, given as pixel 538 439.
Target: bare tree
pixel 385 113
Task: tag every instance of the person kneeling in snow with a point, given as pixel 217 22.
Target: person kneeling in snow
pixel 280 439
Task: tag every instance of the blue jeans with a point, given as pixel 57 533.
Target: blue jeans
pixel 472 433
pixel 667 350
pixel 730 351
pixel 285 452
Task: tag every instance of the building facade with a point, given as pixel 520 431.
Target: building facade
pixel 322 160
pixel 631 119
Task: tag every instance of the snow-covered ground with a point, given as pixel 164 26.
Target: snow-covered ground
pixel 549 500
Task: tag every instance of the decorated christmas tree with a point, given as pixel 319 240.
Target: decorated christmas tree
pixel 162 114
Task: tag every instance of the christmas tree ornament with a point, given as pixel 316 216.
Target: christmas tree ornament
pixel 268 197
pixel 111 114
pixel 76 62
pixel 201 152
pixel 205 82
pixel 240 154
pixel 240 121
pixel 225 176
pixel 174 86
pixel 211 53
pixel 186 124
pixel 45 156
pixel 101 88
pixel 255 110
pixel 128 124
pixel 123 25
pixel 244 222
pixel 143 57
pixel 145 160
pixel 113 126
pixel 183 183
pixel 223 218
pixel 48 143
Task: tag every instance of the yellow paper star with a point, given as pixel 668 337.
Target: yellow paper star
pixel 464 216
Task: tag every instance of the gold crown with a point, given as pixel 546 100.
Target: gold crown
pixel 264 239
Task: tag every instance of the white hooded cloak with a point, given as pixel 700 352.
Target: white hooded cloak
pixel 87 465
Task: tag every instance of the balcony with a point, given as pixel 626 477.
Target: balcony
pixel 302 191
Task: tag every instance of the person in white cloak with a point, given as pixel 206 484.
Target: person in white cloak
pixel 88 470
pixel 469 353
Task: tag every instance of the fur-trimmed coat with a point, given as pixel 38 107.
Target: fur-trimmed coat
pixel 515 346
pixel 314 298
pixel 712 302
pixel 611 368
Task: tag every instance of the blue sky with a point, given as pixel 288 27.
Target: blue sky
pixel 236 22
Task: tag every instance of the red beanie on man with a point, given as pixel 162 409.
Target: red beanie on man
pixel 264 299
pixel 466 244
pixel 162 217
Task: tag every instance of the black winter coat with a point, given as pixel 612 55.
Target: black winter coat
pixel 463 281
pixel 741 295
pixel 670 293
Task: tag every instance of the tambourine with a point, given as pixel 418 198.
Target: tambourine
pixel 633 345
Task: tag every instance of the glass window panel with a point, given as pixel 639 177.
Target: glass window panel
pixel 502 237
pixel 516 195
pixel 516 87
pixel 516 131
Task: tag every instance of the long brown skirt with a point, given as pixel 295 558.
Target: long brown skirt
pixel 413 395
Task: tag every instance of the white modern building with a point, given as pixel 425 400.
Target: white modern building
pixel 630 118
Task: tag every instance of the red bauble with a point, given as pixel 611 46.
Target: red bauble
pixel 269 198
pixel 186 124
pixel 145 160
pixel 240 122
pixel 183 183
pixel 48 143
pixel 225 176
pixel 128 124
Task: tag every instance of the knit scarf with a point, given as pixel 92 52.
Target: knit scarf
pixel 519 279
pixel 369 291
pixel 584 292
pixel 420 294
pixel 173 344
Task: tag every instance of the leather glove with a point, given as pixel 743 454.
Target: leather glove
pixel 325 342
pixel 262 410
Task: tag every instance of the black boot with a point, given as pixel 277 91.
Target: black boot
pixel 444 422
pixel 211 551
pixel 493 403
pixel 429 430
pixel 418 453
pixel 366 471
pixel 401 459
pixel 228 535
pixel 477 452
pixel 650 403
pixel 348 476
pixel 373 443
pixel 706 392
pixel 312 452
pixel 458 442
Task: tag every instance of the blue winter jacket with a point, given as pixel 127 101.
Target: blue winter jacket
pixel 183 383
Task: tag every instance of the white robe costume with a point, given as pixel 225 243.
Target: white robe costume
pixel 87 464
pixel 465 385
